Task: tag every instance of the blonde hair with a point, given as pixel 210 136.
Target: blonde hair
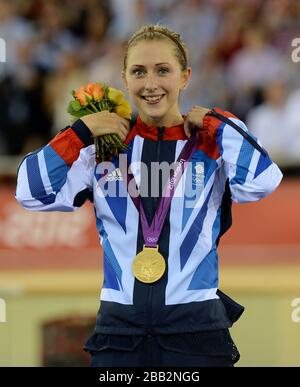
pixel 159 32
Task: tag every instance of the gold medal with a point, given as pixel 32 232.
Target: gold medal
pixel 149 265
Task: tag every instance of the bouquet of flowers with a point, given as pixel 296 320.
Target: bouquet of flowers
pixel 96 97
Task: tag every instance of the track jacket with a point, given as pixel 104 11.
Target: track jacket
pixel 225 167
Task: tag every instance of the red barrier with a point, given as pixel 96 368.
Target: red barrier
pixel 46 239
pixel 272 220
pixel 266 232
pixel 263 232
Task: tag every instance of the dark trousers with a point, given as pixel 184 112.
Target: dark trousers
pixel 150 353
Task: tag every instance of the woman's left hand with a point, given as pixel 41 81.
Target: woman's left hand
pixel 194 118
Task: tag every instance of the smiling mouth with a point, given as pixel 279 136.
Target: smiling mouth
pixel 152 99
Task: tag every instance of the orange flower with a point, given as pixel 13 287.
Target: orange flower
pixel 95 90
pixel 82 97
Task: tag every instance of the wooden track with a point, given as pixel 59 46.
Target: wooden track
pixel 246 279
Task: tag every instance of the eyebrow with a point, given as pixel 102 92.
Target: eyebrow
pixel 157 64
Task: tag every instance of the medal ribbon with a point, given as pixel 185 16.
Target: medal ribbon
pixel 151 233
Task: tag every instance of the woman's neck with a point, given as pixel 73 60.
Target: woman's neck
pixel 168 122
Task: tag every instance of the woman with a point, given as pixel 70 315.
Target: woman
pixel 159 302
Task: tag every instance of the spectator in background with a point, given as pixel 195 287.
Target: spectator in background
pixel 127 15
pixel 229 39
pixel 251 68
pixel 256 63
pixel 157 10
pixel 21 86
pixel 266 121
pixel 281 19
pixel 17 32
pixel 238 48
pixel 292 122
pixel 23 117
pixel 53 38
pixel 199 21
pixel 207 85
pixel 276 122
pixel 108 65
pixel 71 74
pixel 94 41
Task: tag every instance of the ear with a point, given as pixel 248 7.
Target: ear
pixel 186 78
pixel 124 79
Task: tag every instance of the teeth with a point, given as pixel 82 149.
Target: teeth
pixel 153 98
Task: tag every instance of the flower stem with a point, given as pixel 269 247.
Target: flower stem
pixel 91 111
pixel 93 106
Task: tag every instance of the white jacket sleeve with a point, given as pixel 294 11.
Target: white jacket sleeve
pixel 59 176
pixel 252 174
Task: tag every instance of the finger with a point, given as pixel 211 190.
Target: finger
pixel 196 119
pixel 186 127
pixel 119 119
pixel 199 107
pixel 123 134
pixel 125 128
pixel 125 122
pixel 120 134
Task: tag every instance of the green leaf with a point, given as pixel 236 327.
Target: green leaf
pixel 76 105
pixel 80 113
pixel 70 108
pixel 106 89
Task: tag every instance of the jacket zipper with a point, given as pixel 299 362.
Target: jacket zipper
pixel 160 136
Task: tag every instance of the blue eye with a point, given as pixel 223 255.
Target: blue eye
pixel 163 70
pixel 138 73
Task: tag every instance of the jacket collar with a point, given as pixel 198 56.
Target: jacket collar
pixel 151 132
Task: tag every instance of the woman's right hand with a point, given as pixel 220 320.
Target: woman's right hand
pixel 104 122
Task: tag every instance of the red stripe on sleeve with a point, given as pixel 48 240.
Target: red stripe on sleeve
pixel 67 145
pixel 208 136
pixel 208 144
pixel 211 123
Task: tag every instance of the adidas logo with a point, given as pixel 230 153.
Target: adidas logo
pixel 114 175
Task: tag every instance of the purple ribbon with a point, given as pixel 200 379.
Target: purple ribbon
pixel 151 233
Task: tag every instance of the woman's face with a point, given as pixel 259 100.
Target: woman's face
pixel 154 79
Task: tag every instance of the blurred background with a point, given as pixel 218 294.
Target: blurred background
pixel 245 59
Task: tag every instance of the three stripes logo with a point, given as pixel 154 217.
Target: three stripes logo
pixel 114 175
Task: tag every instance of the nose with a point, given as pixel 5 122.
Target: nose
pixel 150 82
